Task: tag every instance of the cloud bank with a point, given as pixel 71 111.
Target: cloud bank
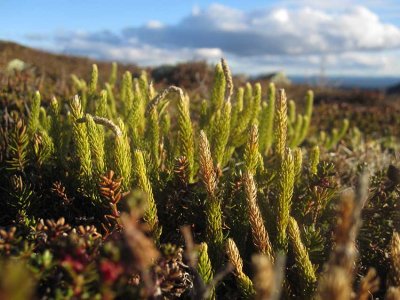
pixel 297 40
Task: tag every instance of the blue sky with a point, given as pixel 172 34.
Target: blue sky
pixel 342 37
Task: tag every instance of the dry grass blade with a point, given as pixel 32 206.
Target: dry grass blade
pixel 393 293
pixel 142 247
pixel 264 283
pixel 105 122
pixel 344 253
pixel 334 285
pixel 161 96
pixel 395 259
pixel 369 284
pixel 336 281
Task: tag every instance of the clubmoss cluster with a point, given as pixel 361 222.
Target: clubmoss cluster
pixel 95 190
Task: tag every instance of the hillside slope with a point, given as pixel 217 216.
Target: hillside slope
pixel 55 66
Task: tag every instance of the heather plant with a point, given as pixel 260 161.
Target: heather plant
pixel 95 189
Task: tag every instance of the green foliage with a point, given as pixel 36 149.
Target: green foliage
pixel 113 75
pixel 298 163
pixel 220 134
pixel 153 137
pixel 214 234
pixel 144 184
pixel 243 281
pixel 96 140
pixel 122 155
pixel 111 100
pixel 55 130
pixel 43 147
pixel 237 107
pixel 252 158
pixel 218 92
pixel 185 133
pixel 33 122
pixel 314 159
pixel 93 80
pixel 256 104
pixel 145 89
pixel 267 120
pixel 285 192
pixel 303 263
pixel 330 141
pixel 299 124
pixel 204 267
pixel 281 124
pixel 101 109
pixel 127 96
pixel 238 136
pixel 12 273
pixel 81 141
pixel 18 147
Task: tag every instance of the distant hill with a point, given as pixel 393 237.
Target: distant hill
pixel 278 78
pixel 394 89
pixel 189 75
pixel 195 77
pixel 55 66
pixel 362 82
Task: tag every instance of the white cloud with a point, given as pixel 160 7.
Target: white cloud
pixel 132 50
pixel 280 31
pixel 294 39
pixel 209 53
pixel 154 24
pixel 280 16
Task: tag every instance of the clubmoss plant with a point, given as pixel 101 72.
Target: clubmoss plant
pixel 281 123
pixel 303 263
pixel 96 140
pixel 285 190
pixel 267 121
pixel 144 184
pixel 314 159
pixel 33 122
pixel 214 233
pixel 243 281
pixel 204 267
pixel 81 141
pixel 259 233
pixel 185 133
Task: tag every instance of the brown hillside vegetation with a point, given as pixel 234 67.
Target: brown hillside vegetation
pixel 55 66
pixel 193 76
